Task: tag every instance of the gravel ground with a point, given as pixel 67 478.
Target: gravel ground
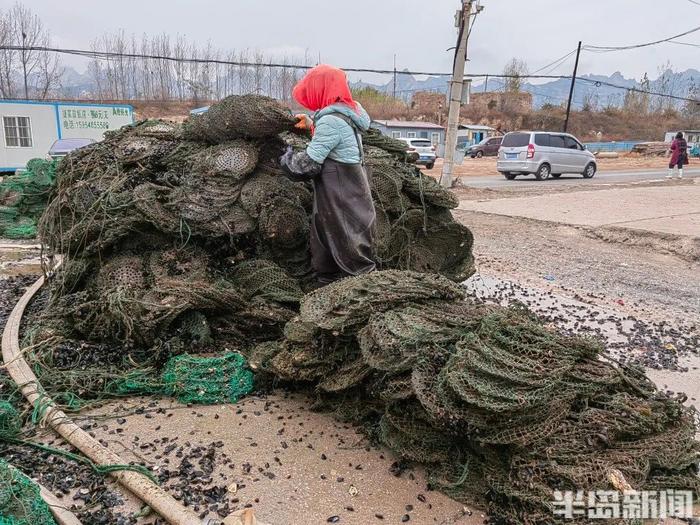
pixel 568 260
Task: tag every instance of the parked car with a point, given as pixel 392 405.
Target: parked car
pixel 544 154
pixel 486 148
pixel 63 147
pixel 425 150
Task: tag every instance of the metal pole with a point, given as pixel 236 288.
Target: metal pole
pixel 456 94
pixel 571 91
pixel 486 84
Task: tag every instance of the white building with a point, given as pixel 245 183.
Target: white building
pixel 470 134
pixel 29 128
pixel 691 136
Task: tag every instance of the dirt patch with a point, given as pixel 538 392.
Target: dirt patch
pixel 273 453
pixel 18 259
pixel 685 247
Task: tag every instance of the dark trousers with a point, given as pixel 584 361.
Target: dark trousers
pixel 342 223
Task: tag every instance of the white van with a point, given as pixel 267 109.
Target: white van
pixel 544 154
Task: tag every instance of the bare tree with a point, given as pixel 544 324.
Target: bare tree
pixel 7 57
pixel 27 31
pixel 691 108
pixel 638 101
pixel 180 53
pixel 514 74
pixel 37 72
pixel 48 75
pixel 259 72
pixel 667 87
pixel 590 101
pixel 178 70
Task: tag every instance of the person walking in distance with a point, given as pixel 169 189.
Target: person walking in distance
pixel 679 156
pixel 343 217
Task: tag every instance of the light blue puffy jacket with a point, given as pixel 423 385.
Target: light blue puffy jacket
pixel 334 138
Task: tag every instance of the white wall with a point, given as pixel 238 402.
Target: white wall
pixel 50 122
pixel 42 119
pixel 91 122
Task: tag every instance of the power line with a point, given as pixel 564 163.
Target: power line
pixel 694 2
pixel 557 62
pixel 604 49
pixel 599 83
pixel 690 44
pixel 107 55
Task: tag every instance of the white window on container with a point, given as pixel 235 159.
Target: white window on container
pixel 411 134
pixel 396 134
pixel 18 132
pixel 435 138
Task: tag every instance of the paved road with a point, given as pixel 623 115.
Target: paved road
pixel 601 178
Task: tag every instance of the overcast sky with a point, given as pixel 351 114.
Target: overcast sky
pixel 367 33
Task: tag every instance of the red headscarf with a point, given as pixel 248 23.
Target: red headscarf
pixel 323 86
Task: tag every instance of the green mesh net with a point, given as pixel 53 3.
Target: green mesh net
pixel 192 379
pixel 374 138
pixel 239 116
pixel 10 421
pixel 20 499
pixel 208 380
pixel 265 279
pixel 23 198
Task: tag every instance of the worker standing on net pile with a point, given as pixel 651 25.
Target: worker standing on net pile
pixel 342 222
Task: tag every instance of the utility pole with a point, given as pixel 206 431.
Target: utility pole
pixel 571 91
pixel 394 75
pixel 456 85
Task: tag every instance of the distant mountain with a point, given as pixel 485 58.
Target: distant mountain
pixel 407 84
pixel 76 84
pixel 592 88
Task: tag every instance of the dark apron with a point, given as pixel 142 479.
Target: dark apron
pixel 342 222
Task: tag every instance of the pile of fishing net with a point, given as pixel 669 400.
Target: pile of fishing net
pixel 178 235
pixel 23 198
pixel 189 240
pixel 501 409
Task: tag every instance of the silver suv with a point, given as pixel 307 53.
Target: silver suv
pixel 425 150
pixel 544 154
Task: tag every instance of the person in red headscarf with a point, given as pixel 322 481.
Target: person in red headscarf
pixel 342 222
